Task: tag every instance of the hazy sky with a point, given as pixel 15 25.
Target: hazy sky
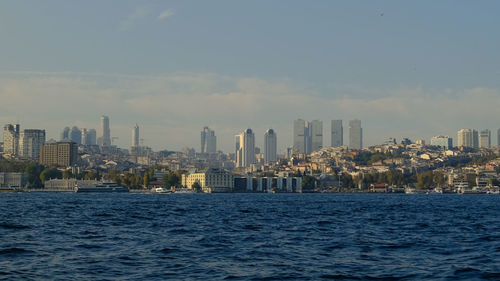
pixel 405 68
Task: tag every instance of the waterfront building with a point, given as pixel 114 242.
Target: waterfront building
pixel 13 179
pixel 245 149
pixel 11 139
pixel 65 134
pixel 442 141
pixel 135 136
pixel 270 146
pixel 498 138
pixel 485 139
pixel 211 180
pixel 61 154
pixel 355 134
pixel 30 142
pixel 468 138
pixel 337 133
pixel 75 135
pixel 208 141
pixel 105 132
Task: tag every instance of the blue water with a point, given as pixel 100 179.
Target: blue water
pixel 249 236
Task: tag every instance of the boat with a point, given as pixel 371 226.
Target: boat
pixel 183 190
pixel 102 187
pixel 9 189
pixel 162 190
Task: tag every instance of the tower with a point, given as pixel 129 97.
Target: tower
pixel 270 146
pixel 245 148
pixel 135 136
pixel 355 134
pixel 337 133
pixel 105 134
pixel 11 139
pixel 315 135
pixel 208 141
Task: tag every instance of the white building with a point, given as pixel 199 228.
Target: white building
pixel 245 149
pixel 208 141
pixel 30 143
pixel 468 138
pixel 337 133
pixel 270 146
pixel 212 180
pixel 355 134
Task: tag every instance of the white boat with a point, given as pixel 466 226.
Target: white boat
pixel 162 190
pixel 183 190
pixel 102 187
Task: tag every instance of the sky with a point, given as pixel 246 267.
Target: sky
pixel 411 69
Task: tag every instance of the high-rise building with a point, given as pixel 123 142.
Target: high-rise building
pixel 65 133
pixel 442 141
pixel 300 135
pixel 355 134
pixel 337 133
pixel 316 135
pixel 468 138
pixel 88 136
pixel 245 149
pixel 30 142
pixel 11 139
pixel 307 136
pixel 135 136
pixel 270 146
pixel 62 154
pixel 104 133
pixel 208 141
pixel 485 139
pixel 498 137
pixel 75 135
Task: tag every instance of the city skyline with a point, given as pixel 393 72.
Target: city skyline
pixel 178 77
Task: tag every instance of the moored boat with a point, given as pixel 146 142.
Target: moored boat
pixel 102 187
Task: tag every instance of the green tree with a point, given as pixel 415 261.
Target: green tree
pixel 171 179
pixel 425 180
pixel 50 173
pixel 196 186
pixel 308 182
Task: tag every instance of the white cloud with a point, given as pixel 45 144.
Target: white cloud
pixel 172 109
pixel 166 14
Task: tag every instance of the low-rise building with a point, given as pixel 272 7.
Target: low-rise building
pixel 211 180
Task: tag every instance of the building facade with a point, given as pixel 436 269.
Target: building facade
pixel 337 133
pixel 245 149
pixel 468 138
pixel 135 136
pixel 30 143
pixel 442 141
pixel 11 139
pixel 485 139
pixel 13 179
pixel 316 135
pixel 208 141
pixel 65 133
pixel 212 180
pixel 270 146
pixel 300 135
pixel 355 134
pixel 61 154
pixel 75 135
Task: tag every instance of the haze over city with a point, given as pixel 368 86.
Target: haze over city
pixel 413 69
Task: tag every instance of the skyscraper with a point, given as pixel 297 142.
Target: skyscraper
pixel 316 135
pixel 300 133
pixel 498 137
pixel 270 146
pixel 91 138
pixel 105 134
pixel 245 148
pixel 355 134
pixel 30 143
pixel 11 139
pixel 65 133
pixel 465 138
pixel 135 136
pixel 337 133
pixel 75 135
pixel 208 141
pixel 485 138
